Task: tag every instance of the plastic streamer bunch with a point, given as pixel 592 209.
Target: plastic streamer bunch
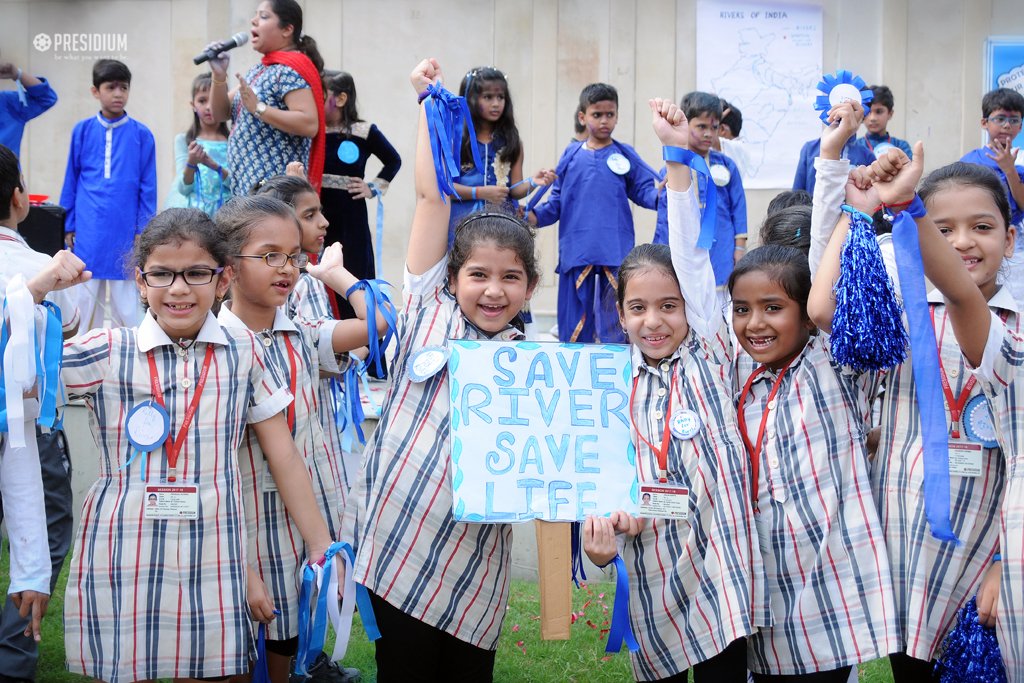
pixel 318 602
pixel 377 299
pixel 839 87
pixel 970 651
pixel 447 116
pixel 867 327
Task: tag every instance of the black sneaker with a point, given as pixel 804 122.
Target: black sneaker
pixel 323 670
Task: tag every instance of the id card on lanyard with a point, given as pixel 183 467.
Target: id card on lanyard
pixel 661 498
pixel 173 499
pixel 268 485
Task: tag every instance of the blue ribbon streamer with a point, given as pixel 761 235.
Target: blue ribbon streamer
pixel 447 116
pixel 376 298
pixel 928 387
pixel 708 214
pixel 261 674
pixel 353 406
pixel 48 367
pixel 313 636
pixel 378 250
pixel 578 573
pixel 621 629
pixel 535 199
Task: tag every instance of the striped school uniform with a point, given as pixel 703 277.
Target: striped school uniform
pixel 933 579
pixel 276 548
pixel 695 585
pixel 410 551
pixel 309 301
pixel 148 598
pixel 824 553
pixel 1001 374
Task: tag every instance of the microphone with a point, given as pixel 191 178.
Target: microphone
pixel 240 38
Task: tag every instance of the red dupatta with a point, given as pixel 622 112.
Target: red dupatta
pixel 303 66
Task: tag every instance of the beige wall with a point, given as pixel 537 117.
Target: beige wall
pixel 929 52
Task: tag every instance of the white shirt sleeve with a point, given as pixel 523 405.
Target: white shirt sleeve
pixel 21 486
pixel 427 282
pixel 692 264
pixel 829 195
pixel 986 371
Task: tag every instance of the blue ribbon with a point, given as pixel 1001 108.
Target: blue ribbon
pixel 925 354
pixel 378 251
pixel 312 636
pixel 48 367
pixel 537 197
pixel 708 214
pixel 447 116
pixel 376 298
pixel 352 406
pixel 621 629
pixel 578 573
pixel 261 674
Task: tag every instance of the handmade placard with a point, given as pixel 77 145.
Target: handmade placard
pixel 540 431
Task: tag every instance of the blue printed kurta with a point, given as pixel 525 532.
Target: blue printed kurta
pixel 109 192
pixel 257 150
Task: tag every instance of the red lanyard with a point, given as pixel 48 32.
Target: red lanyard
pixel 754 450
pixel 660 453
pixel 173 448
pixel 888 141
pixel 293 365
pixel 955 405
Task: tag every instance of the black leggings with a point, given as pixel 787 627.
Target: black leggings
pixel 410 651
pixel 728 665
pixel 907 669
pixel 840 675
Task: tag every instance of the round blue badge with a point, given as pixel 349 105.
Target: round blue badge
pixel 348 152
pixel 978 423
pixel 881 148
pixel 618 164
pixel 684 424
pixel 147 426
pixel 427 362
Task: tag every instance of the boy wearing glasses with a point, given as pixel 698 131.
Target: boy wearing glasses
pixel 1001 112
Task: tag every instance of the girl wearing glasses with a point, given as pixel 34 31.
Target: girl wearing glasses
pixel 159 591
pixel 264 237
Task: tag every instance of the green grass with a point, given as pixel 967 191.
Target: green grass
pixel 522 656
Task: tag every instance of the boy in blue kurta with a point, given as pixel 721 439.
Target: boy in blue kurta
pixel 597 178
pixel 703 112
pixel 32 97
pixel 110 195
pixel 876 121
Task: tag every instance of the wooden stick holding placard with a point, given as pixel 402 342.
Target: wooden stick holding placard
pixel 554 566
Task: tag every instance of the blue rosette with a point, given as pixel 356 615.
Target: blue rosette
pixel 842 86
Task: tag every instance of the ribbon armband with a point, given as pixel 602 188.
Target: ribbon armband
pixel 709 214
pixel 447 116
pixel 842 86
pixel 377 299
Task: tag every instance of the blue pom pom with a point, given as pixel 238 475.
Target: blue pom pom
pixel 867 328
pixel 970 651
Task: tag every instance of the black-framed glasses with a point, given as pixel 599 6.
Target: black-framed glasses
pixel 276 259
pixel 191 276
pixel 1005 120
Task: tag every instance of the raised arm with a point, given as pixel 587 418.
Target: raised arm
pixel 896 177
pixel 348 334
pixel 428 241
pixel 691 263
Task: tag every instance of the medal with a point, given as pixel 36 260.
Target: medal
pixel 348 152
pixel 842 86
pixel 978 422
pixel 881 149
pixel 618 164
pixel 426 362
pixel 720 174
pixel 685 424
pixel 147 426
